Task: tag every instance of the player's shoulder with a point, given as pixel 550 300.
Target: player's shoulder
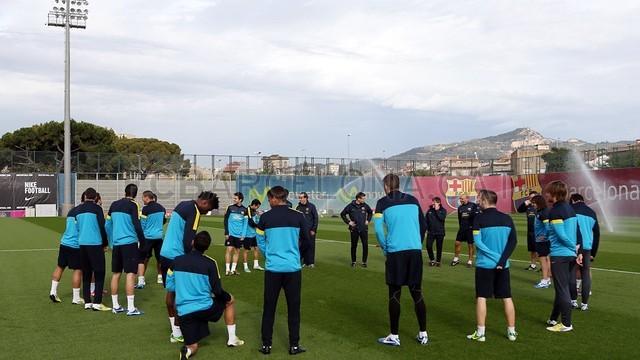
pixel 295 210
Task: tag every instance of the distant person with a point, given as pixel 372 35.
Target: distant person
pixel 282 233
pixel 177 241
pixel 543 246
pixel 311 216
pixel 563 236
pixel 357 214
pixel 68 256
pixel 495 237
pixel 435 230
pixel 405 226
pixel 235 222
pixel 466 213
pixel 250 241
pixel 194 278
pixel 528 208
pixel 92 238
pixel 125 231
pixel 152 219
pixel 590 232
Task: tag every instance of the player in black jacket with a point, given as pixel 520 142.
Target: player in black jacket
pixel 360 215
pixel 435 230
pixel 311 216
pixel 528 208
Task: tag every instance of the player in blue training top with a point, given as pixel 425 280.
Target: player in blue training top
pixel 495 237
pixel 153 218
pixel 177 241
pixel 543 246
pixel 235 221
pixel 590 233
pixel 125 231
pixel 93 242
pixel 565 240
pixel 250 236
pixel 282 234
pixel 466 213
pixel 194 277
pixel 402 245
pixel 68 256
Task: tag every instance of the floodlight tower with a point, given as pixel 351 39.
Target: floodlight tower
pixel 68 17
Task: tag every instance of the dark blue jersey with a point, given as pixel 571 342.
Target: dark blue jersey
pixel 181 230
pixel 235 221
pixel 91 223
pixel 153 220
pixel 530 210
pixel 310 215
pixel 495 237
pixel 406 225
pixel 359 214
pixel 435 220
pixel 466 214
pixel 123 222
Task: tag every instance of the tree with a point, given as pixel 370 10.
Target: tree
pixel 152 156
pixel 624 159
pixel 558 160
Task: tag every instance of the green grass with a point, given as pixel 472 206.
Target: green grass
pixel 344 309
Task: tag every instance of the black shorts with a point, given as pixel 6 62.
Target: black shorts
pixel 69 257
pixel 125 257
pixel 465 235
pixel 165 264
pixel 233 241
pixel 531 242
pixel 493 283
pixel 195 326
pixel 543 248
pixel 248 243
pixel 404 268
pixel 147 248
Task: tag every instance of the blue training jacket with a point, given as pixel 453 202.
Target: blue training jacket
pixel 181 230
pixel 563 232
pixel 277 235
pixel 404 220
pixel 194 277
pixel 153 220
pixel 90 219
pixel 123 222
pixel 236 220
pixel 70 236
pixel 589 227
pixel 541 225
pixel 495 237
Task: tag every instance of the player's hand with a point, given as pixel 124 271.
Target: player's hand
pixel 241 239
pixel 313 233
pixel 231 301
pixel 592 258
pixel 226 237
pixel 366 222
pixel 579 259
pixel 499 267
pixel 352 224
pixel 105 249
pixel 527 202
pixel 540 238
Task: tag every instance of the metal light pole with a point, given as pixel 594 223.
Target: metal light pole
pixel 68 17
pixel 349 152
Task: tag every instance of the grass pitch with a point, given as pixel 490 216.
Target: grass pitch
pixel 344 309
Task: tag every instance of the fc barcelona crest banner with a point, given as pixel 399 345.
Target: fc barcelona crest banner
pixel 523 185
pixel 457 187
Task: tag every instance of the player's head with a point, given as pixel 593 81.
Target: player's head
pixel 464 198
pixel 487 199
pixel 532 193
pixel 207 201
pixel 556 191
pixel 202 241
pixel 391 182
pixel 436 200
pixel 360 197
pixel 131 190
pixel 575 198
pixel 98 199
pixel 539 202
pixel 238 198
pixel 90 194
pixel 277 195
pixel 148 196
pixel 303 197
pixel 255 204
pixel 83 196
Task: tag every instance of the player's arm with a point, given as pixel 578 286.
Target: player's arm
pixel 225 220
pixel 596 237
pixel 137 225
pixel 343 215
pixel 369 212
pixel 101 226
pixel 423 222
pixel 509 247
pixel 216 285
pixel 171 280
pixel 314 215
pixel 190 228
pixel 522 207
pixel 378 225
pixel 479 242
pixel 261 238
pixel 245 223
pixel 305 236
pixel 441 214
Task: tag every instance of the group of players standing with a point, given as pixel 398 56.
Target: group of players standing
pixel 569 232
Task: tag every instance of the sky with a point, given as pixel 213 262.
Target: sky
pixel 358 78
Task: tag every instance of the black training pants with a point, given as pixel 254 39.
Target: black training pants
pixel 291 283
pixel 359 235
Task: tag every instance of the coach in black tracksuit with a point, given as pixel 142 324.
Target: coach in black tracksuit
pixel 435 230
pixel 528 208
pixel 311 216
pixel 360 215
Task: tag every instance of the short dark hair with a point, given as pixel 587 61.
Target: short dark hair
pixel 256 202
pixel 131 190
pixel 304 194
pixel 148 193
pixel 278 192
pixel 90 194
pixel 239 195
pixel 211 197
pixel 392 181
pixel 98 197
pixel 533 192
pixel 437 199
pixel 539 202
pixel 574 198
pixel 489 195
pixel 202 241
pixel 557 189
pixel 83 196
pixel 360 195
